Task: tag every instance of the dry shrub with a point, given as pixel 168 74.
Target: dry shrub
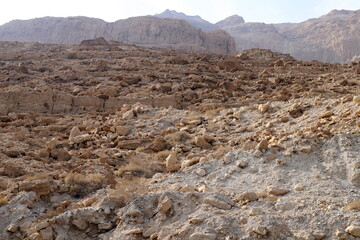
pixel 161 156
pixel 3 201
pixel 38 176
pixel 128 188
pixel 220 152
pixel 177 137
pixel 81 185
pixel 135 170
pixel 213 112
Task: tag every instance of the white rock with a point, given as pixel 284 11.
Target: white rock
pixel 202 236
pixel 128 115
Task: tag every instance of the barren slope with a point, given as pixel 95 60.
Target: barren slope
pixel 105 140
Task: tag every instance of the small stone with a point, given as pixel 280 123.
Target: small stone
pixel 217 203
pixel 35 236
pixel 12 228
pixel 196 220
pixel 248 197
pixel 286 206
pixel 284 119
pixel 202 143
pixel 47 233
pixel 258 153
pixel 80 138
pixel 128 115
pixel 256 212
pixel 200 172
pixel 262 231
pixel 123 130
pixel 202 236
pixel 75 131
pixel 270 157
pixel 353 205
pixel 105 226
pixel 356 99
pixel 241 164
pixel 165 205
pixel 263 108
pixel 205 189
pixel 80 224
pixel 41 225
pixel 172 163
pixel 353 230
pixel 134 231
pixel 263 145
pixel 306 149
pixel 278 191
pixel 299 187
pixel 187 188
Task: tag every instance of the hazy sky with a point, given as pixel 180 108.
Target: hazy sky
pixel 269 11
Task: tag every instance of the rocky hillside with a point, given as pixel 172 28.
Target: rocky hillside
pixel 106 140
pixel 146 31
pixel 331 38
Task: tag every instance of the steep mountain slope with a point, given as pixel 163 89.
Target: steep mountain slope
pixel 331 38
pixel 196 21
pixel 148 31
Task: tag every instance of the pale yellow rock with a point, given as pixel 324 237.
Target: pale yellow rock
pixel 41 225
pixel 356 99
pixel 12 228
pixel 248 196
pixel 263 108
pixel 299 187
pixel 353 230
pixel 307 149
pixel 217 203
pixel 256 212
pixel 353 205
pixel 172 163
pixel 187 188
pixel 277 191
pixel 128 115
pixel 165 205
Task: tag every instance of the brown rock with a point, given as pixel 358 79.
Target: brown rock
pixel 278 191
pixel 202 143
pixel 172 163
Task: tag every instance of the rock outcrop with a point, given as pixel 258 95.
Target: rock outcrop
pixel 146 31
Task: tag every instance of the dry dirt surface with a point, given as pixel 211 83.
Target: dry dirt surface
pixel 105 140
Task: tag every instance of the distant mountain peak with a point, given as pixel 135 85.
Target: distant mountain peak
pixel 196 21
pixel 231 21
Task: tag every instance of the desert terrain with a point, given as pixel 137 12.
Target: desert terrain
pixel 107 140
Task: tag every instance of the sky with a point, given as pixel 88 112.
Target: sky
pixel 268 11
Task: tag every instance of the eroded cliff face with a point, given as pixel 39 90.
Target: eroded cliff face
pixel 331 38
pixel 146 31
